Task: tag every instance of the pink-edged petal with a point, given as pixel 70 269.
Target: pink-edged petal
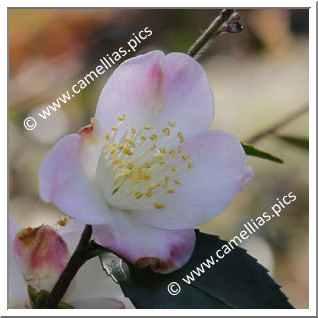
pixel 42 255
pixel 154 89
pixel 144 245
pixel 97 303
pixel 64 182
pixel 208 188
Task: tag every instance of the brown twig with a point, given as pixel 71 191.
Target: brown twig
pixel 215 29
pixel 274 128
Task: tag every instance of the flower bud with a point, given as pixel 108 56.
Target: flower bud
pixel 41 255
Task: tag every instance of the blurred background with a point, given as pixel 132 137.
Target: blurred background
pixel 258 77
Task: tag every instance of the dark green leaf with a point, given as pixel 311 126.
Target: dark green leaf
pixel 237 281
pixel 114 266
pixel 250 150
pixel 301 142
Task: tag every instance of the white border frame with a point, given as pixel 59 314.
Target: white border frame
pixel 312 160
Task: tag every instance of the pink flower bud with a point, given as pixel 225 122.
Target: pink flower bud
pixel 41 254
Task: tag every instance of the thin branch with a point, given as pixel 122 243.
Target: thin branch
pixel 86 235
pixel 214 30
pixel 277 126
pixel 83 252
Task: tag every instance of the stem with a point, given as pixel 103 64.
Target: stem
pixel 277 126
pixel 83 252
pixel 210 33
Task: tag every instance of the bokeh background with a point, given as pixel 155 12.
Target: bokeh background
pixel 258 76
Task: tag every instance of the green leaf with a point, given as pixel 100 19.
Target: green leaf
pixel 236 281
pixel 250 150
pixel 301 142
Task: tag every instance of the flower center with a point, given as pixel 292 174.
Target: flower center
pixel 139 167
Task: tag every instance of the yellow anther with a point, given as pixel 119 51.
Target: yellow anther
pixel 113 151
pixel 138 195
pixel 143 138
pixel 177 181
pixel 170 191
pixel 114 128
pixel 179 149
pixel 162 150
pixel 185 157
pixel 173 168
pixel 63 221
pixel 148 127
pixel 159 206
pixel 153 147
pixel 148 193
pixel 133 130
pixel 190 165
pixel 127 151
pixel 130 165
pixel 172 153
pixel 132 144
pixel 107 136
pixel 121 118
pixel 153 137
pixel 180 135
pixel 171 124
pixel 162 163
pixel 166 131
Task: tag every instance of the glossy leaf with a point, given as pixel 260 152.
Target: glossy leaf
pixel 250 150
pixel 236 281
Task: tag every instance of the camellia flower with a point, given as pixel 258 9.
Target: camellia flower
pixel 37 257
pixel 148 170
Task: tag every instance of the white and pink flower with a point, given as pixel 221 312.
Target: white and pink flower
pixel 38 256
pixel 148 169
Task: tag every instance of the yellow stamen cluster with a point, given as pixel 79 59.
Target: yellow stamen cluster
pixel 140 171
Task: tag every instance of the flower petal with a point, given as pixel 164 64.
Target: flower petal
pixel 17 285
pixel 92 282
pixel 144 245
pixel 154 89
pixel 71 233
pixel 63 181
pixel 208 188
pixel 98 303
